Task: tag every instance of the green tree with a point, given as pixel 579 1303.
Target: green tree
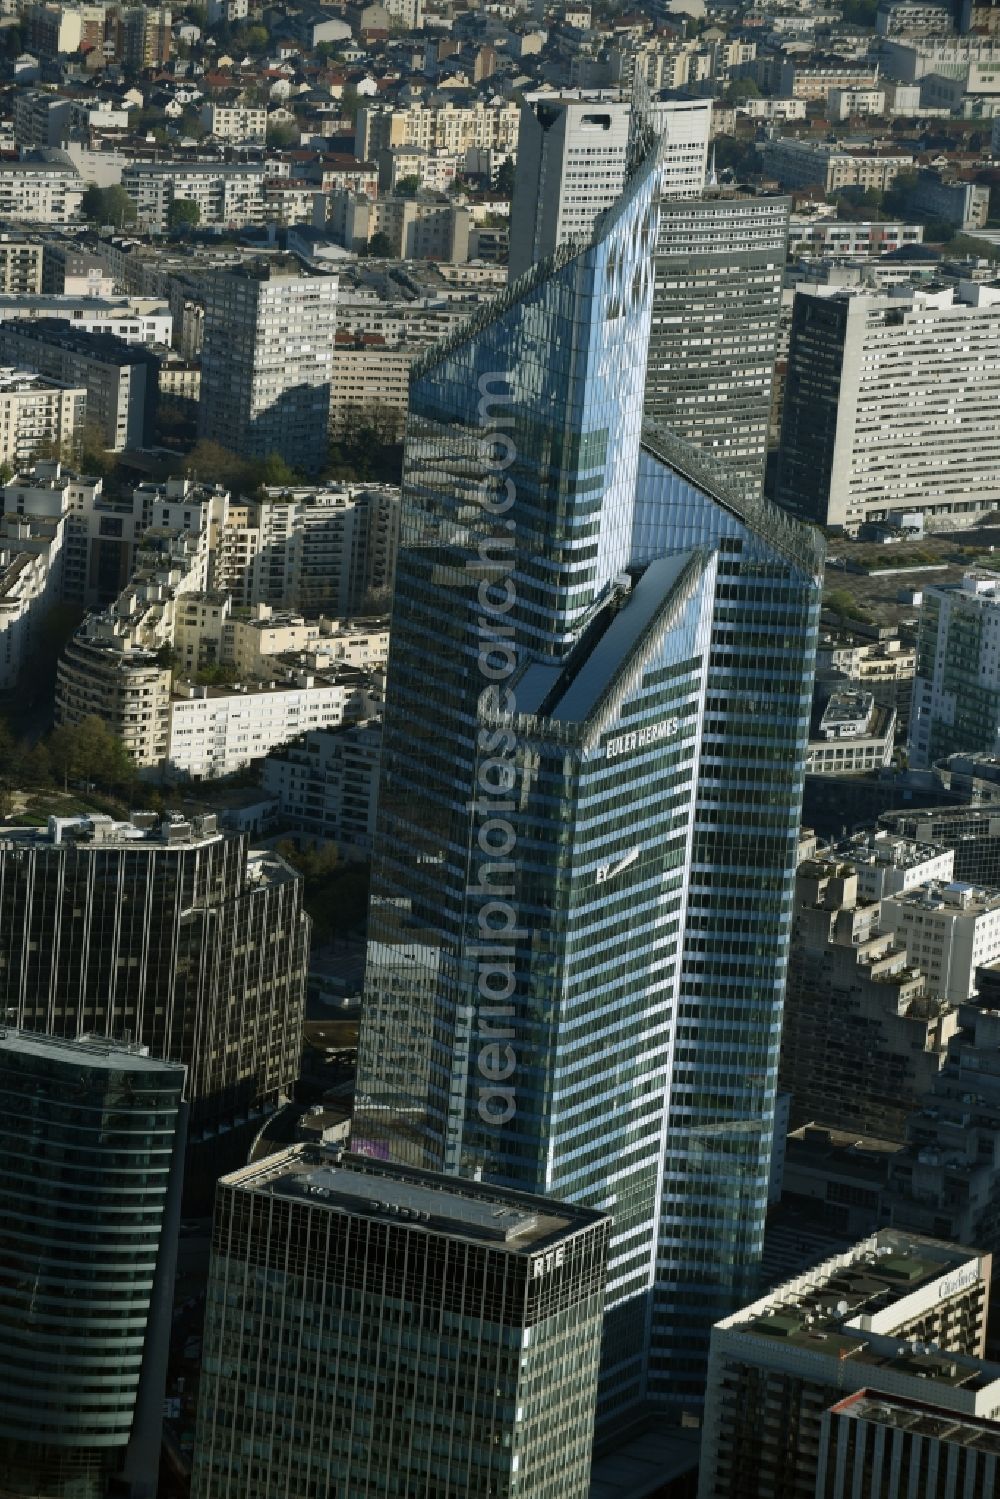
pixel 350 103
pixel 408 187
pixel 505 178
pixel 380 245
pixel 107 205
pixel 183 214
pixel 281 135
pixel 255 38
pixel 88 751
pixel 740 90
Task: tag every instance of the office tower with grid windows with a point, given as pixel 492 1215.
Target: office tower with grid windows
pixel 267 360
pixel 574 153
pixel 175 935
pixel 718 270
pixel 91 1161
pixel 597 702
pixel 374 1330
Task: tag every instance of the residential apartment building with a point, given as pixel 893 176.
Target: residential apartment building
pixel 898 1314
pixel 370 386
pixel 447 127
pixel 809 81
pixel 484 1305
pixel 38 417
pixel 21 263
pixel 267 361
pixel 854 734
pixel 946 1178
pixel 92 1135
pixel 31 569
pixel 804 163
pixel 146 36
pixel 98 532
pixel 228 194
pixel 890 402
pixel 956 689
pixel 120 379
pixel 43 187
pixel 429 226
pixel 614 658
pixel 863 1039
pixel 162 929
pixel 240 122
pixel 326 785
pixel 215 731
pixel 135 320
pixel 327 549
pixel 823 237
pixel 718 265
pixel 949 930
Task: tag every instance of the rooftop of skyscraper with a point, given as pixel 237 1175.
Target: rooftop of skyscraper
pixel 95 1051
pixel 173 829
pixel 516 1222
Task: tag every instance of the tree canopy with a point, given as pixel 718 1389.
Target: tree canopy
pixel 107 205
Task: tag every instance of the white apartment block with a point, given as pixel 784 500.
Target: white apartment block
pixel 44 191
pixel 245 123
pixel 324 549
pixel 216 731
pixel 825 237
pixel 911 382
pixel 267 362
pixel 949 931
pixel 135 320
pixel 227 194
pixel 38 416
pixel 686 127
pixel 888 865
pixel 843 103
pixel 447 127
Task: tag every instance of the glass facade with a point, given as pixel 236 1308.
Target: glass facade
pixel 182 942
pixel 599 656
pixel 377 1331
pixel 90 1169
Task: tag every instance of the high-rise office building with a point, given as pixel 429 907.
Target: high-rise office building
pixel 718 269
pixel 718 260
pixel 956 687
pixel 572 161
pixel 91 1160
pixel 897 1314
pixel 574 151
pixel 890 406
pixel 372 1330
pixel 601 652
pixel 173 934
pixel 266 362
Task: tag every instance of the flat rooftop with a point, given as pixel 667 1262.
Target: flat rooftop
pixel 91 1051
pixel 922 1421
pixel 367 1188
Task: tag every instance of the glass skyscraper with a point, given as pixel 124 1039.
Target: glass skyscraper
pixel 596 716
pixel 91 1160
pixel 372 1330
